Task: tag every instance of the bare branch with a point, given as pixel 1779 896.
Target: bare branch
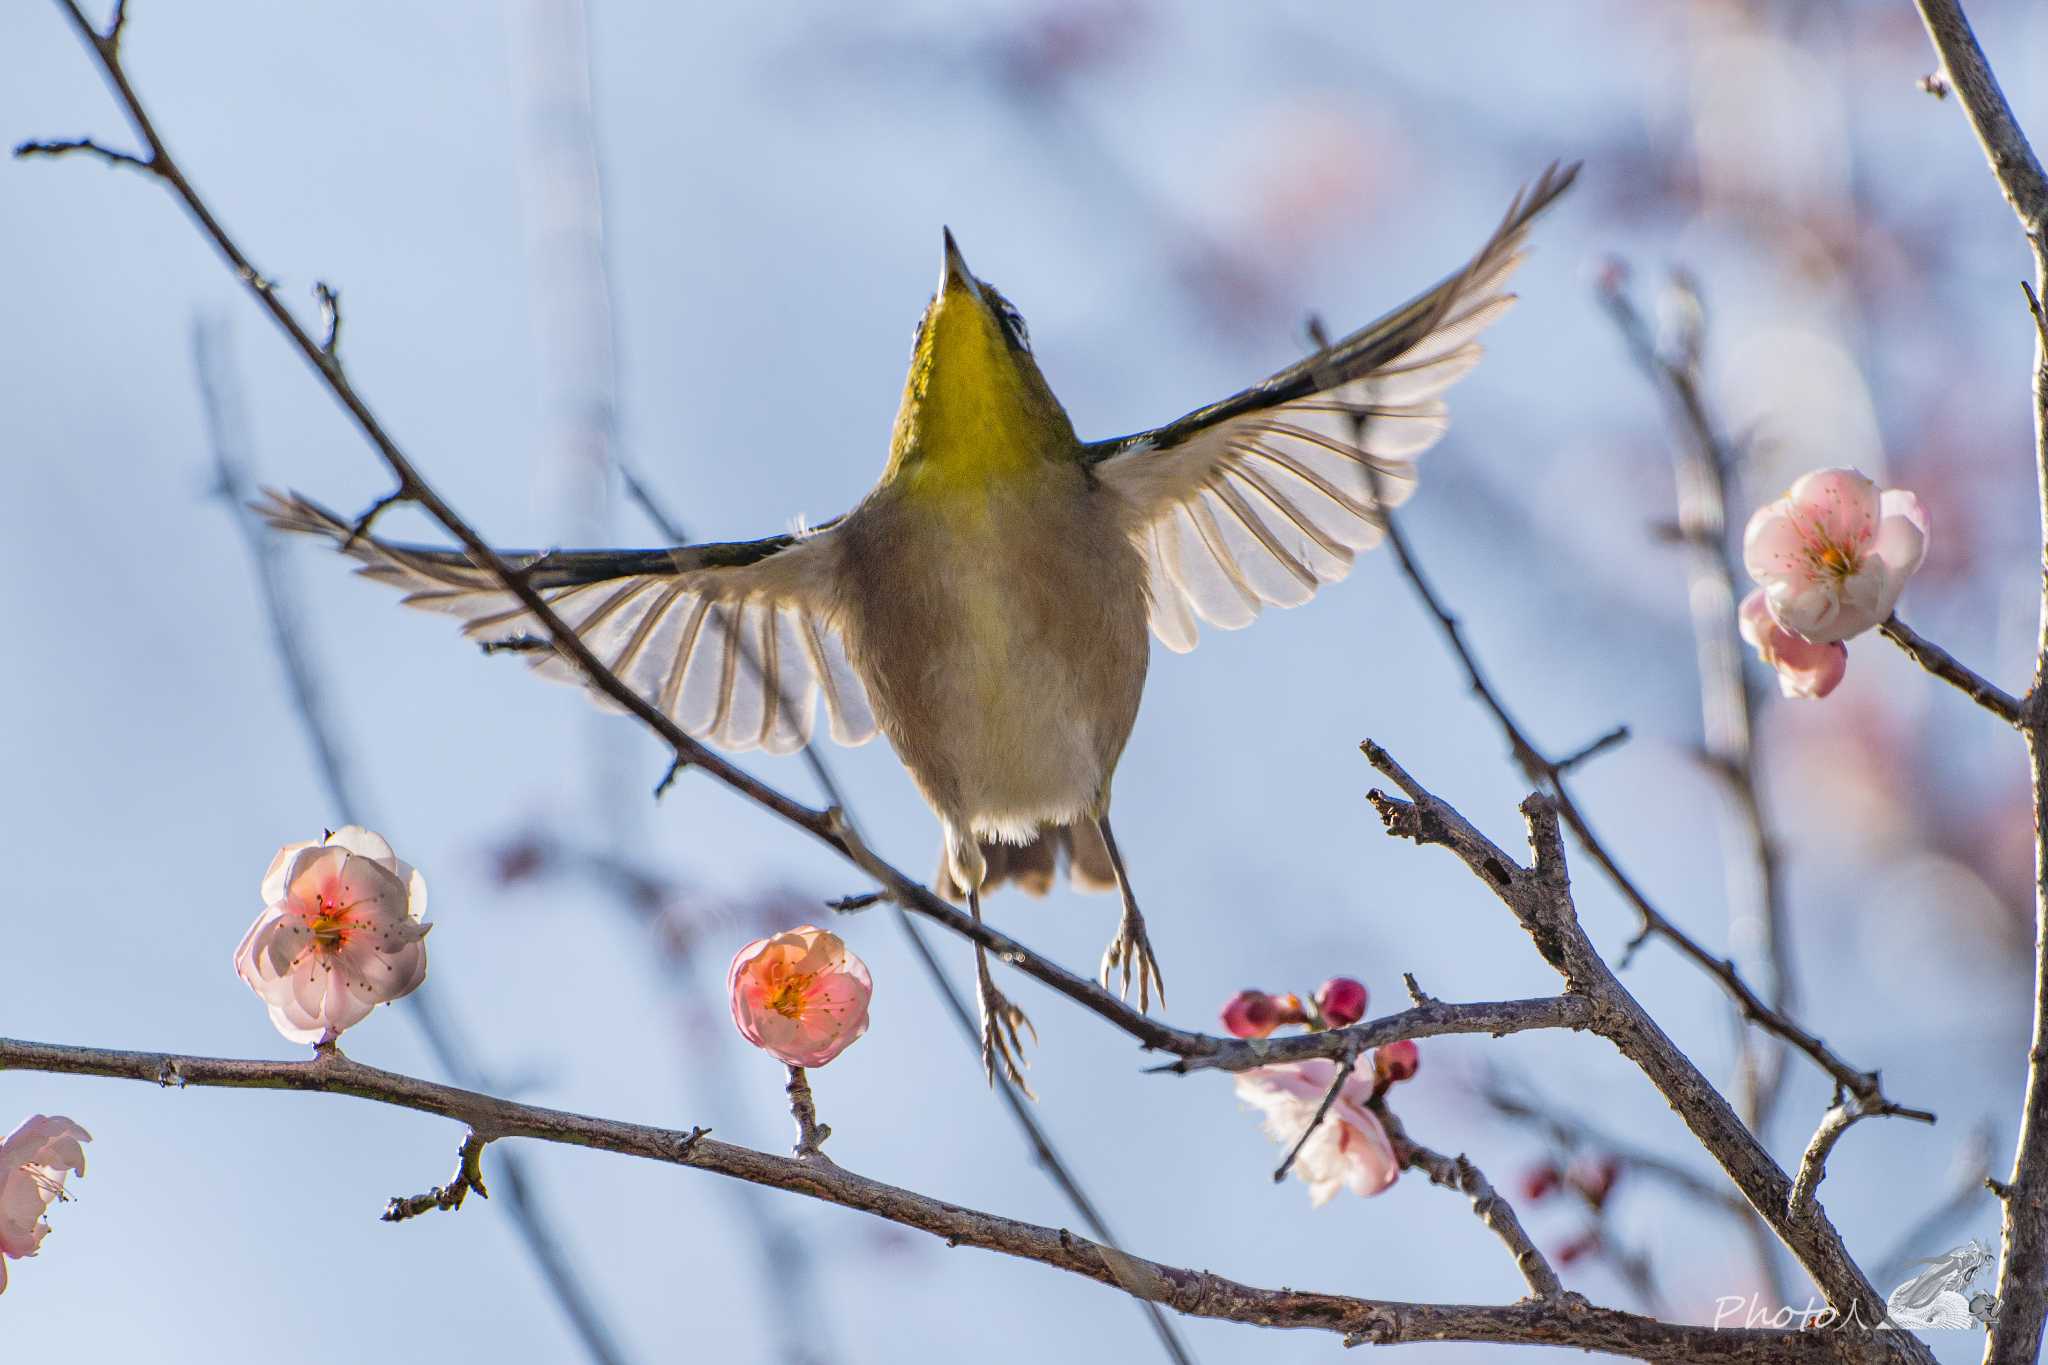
pixel 1540 898
pixel 2015 1338
pixel 1952 671
pixel 85 145
pixel 1344 1070
pixel 451 1050
pixel 1559 1322
pixel 469 1176
pixel 810 1134
pixel 1802 1203
pixel 1458 1173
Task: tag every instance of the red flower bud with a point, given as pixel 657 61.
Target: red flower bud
pixel 1397 1061
pixel 1290 1009
pixel 1341 1001
pixel 1595 1178
pixel 1583 1245
pixel 1250 1014
pixel 1540 1181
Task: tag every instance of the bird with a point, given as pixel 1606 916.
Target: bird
pixel 986 605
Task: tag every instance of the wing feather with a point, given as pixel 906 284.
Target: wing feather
pixel 735 642
pixel 1259 499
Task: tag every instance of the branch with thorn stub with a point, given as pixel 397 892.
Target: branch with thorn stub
pixel 330 320
pixel 810 1134
pixel 469 1178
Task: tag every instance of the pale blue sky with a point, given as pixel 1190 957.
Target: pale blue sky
pixel 775 189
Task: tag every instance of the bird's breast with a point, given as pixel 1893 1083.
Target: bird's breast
pixel 1002 639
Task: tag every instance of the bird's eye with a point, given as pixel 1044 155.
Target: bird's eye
pixel 1013 323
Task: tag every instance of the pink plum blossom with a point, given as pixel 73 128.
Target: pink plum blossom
pixel 1834 553
pixel 34 1160
pixel 340 934
pixel 1805 669
pixel 800 995
pixel 1348 1150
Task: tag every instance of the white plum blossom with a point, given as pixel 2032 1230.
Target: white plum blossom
pixel 1348 1150
pixel 340 934
pixel 1834 553
pixel 34 1159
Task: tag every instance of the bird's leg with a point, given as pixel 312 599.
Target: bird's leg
pixel 999 1018
pixel 1130 951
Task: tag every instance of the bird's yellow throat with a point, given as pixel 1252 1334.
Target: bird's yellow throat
pixel 975 410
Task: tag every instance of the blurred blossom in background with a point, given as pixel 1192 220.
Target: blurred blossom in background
pixel 1168 193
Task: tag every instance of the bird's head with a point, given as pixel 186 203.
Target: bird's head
pixel 975 406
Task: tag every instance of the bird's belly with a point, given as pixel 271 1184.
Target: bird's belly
pixel 1007 662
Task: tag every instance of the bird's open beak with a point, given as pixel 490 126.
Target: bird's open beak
pixel 956 275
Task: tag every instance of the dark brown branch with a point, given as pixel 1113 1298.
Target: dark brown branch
pixel 1495 1018
pixel 1540 898
pixel 1560 1322
pixel 85 145
pixel 1952 671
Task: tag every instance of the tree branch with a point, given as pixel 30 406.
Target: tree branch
pixel 452 1051
pixel 1952 671
pixel 1458 1173
pixel 2015 1338
pixel 1540 898
pixel 1561 1322
pixel 1549 775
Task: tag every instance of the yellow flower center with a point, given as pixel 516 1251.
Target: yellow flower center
pixel 787 999
pixel 329 922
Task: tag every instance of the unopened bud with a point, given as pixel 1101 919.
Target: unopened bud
pixel 1341 1001
pixel 1250 1014
pixel 1397 1061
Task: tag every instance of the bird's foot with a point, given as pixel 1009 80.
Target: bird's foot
pixel 1000 1038
pixel 1129 955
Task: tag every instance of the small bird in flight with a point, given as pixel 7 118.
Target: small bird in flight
pixel 986 604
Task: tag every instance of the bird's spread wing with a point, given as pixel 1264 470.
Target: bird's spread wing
pixel 1269 494
pixel 733 641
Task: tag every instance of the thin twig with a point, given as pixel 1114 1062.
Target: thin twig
pixel 1704 471
pixel 1803 1202
pixel 1954 672
pixel 469 1178
pixel 1344 1070
pixel 1458 1173
pixel 810 1134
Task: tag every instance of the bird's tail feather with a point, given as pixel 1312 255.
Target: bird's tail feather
pixel 1033 867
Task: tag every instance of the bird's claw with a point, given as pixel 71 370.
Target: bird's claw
pixel 1000 1038
pixel 1130 954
